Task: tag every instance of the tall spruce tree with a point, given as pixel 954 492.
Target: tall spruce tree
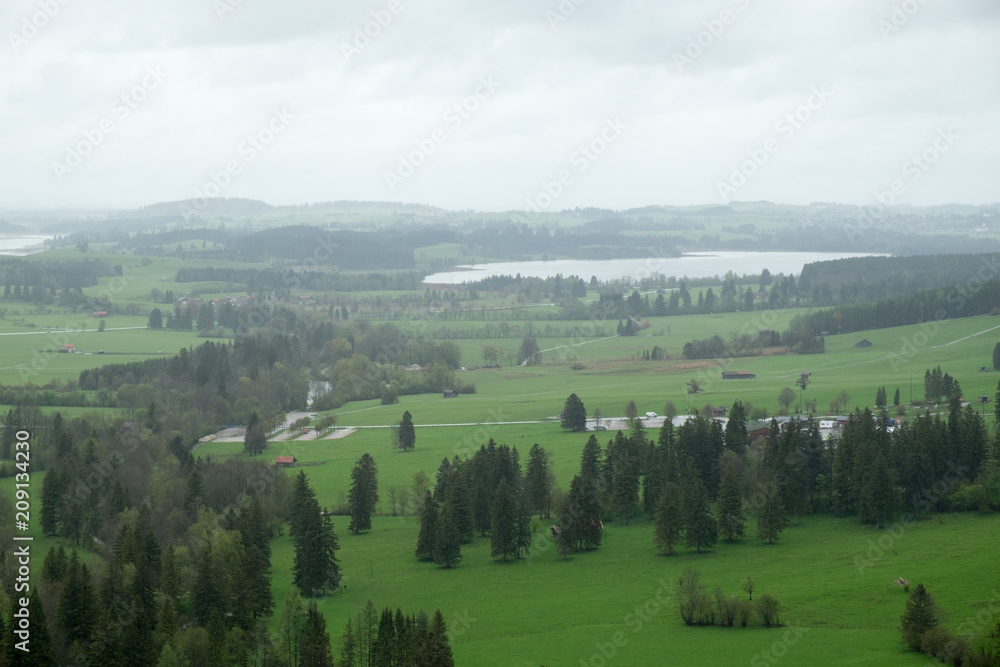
pixel 732 521
pixel 504 526
pixel 77 611
pixel 701 529
pixel 406 434
pixel 922 614
pixel 538 482
pixel 448 542
pixel 669 520
pixel 315 568
pixel 363 496
pixel 770 511
pixel 428 528
pixel 574 414
pixel 316 640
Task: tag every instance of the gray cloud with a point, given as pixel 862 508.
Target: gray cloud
pixel 559 79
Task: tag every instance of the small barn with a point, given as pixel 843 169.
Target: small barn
pixel 68 347
pixel 284 461
pixel 737 375
pixel 450 393
pixel 864 342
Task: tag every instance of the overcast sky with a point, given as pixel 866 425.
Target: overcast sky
pixel 114 103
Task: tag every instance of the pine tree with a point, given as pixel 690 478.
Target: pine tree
pixel 574 414
pixel 428 528
pixel 701 530
pixel 771 517
pixel 736 434
pixel 504 525
pixel 315 567
pixel 448 542
pixel 669 519
pixel 880 399
pixel 538 482
pixel 624 463
pixel 291 627
pixel 922 614
pixel 385 640
pixel 996 357
pixel 55 565
pixel 406 434
pixel 206 598
pixel 194 494
pixel 51 501
pixel 895 398
pixel 732 521
pixel 348 647
pixel 431 647
pixel 77 611
pixel 255 439
pixel 316 640
pixel 363 496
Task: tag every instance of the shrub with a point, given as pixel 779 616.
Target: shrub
pixel 935 640
pixel 769 610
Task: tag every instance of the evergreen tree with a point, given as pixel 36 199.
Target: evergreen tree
pixel 448 542
pixel 315 567
pixel 291 627
pixel 77 611
pixel 51 500
pixel 194 494
pixel 590 460
pixel 895 398
pixel 385 640
pixel 878 499
pixel 457 503
pixel 504 526
pixel 363 496
pixel 55 565
pixel 206 598
pixel 428 528
pixel 316 640
pixel 669 519
pixel 155 319
pixel 348 647
pixel 701 529
pixel 732 522
pixel 625 469
pixel 736 436
pixel 256 566
pixel 771 518
pixel 574 414
pixel 255 439
pixel 922 614
pixel 880 398
pixel 538 482
pixel 431 646
pixel 406 434
pixel 996 357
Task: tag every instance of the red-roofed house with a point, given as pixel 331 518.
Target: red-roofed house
pixel 284 461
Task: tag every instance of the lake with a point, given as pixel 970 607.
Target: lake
pixel 691 265
pixel 22 244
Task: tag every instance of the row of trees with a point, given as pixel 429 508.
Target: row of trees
pixel 395 639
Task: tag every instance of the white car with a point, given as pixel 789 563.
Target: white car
pixel 312 415
pixel 650 415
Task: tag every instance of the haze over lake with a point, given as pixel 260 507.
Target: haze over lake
pixel 691 265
